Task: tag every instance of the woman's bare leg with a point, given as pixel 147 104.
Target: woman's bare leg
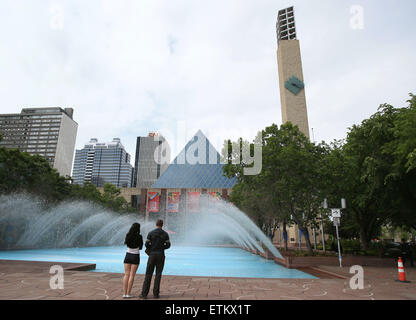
pixel 127 268
pixel 133 271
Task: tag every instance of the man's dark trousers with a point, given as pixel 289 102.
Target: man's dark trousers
pixel 156 260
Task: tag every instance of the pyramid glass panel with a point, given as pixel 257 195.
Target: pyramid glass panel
pixel 183 172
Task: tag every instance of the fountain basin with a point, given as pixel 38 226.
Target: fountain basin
pixel 180 261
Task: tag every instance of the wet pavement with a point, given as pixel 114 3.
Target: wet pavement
pixel 29 280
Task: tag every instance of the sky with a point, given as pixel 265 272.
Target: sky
pixel 130 67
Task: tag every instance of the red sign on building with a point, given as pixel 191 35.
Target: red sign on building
pixel 153 201
pixel 173 201
pixel 214 196
pixel 193 201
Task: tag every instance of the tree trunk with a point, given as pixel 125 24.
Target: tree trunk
pixel 285 234
pixel 307 240
pixel 363 238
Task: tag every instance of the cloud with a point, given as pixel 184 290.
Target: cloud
pixel 130 67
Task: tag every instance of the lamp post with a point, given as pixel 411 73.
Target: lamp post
pixel 322 226
pixel 336 217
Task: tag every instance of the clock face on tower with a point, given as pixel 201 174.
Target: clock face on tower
pixel 294 85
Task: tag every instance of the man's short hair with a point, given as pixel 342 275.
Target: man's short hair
pixel 159 223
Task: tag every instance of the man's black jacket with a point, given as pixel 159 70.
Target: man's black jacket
pixel 157 241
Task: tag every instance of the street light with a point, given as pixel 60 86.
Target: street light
pixel 336 217
pixel 325 205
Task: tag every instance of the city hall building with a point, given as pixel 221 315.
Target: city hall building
pixel 195 172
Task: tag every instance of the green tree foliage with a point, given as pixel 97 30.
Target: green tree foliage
pixel 87 192
pixel 288 186
pixel 374 168
pixel 375 172
pixel 22 172
pixel 362 176
pixel 111 198
pixel 402 177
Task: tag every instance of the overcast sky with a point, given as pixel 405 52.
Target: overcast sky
pixel 132 66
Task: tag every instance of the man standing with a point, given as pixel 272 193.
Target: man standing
pixel 156 244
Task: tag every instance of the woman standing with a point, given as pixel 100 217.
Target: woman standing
pixel 134 242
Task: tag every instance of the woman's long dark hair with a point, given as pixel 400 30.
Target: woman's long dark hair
pixel 133 236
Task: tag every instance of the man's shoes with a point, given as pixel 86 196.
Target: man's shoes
pixel 142 296
pixel 156 296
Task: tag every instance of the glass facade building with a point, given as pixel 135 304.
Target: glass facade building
pixel 196 166
pixel 100 163
pixel 48 132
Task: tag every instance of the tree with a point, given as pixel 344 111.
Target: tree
pixel 289 181
pixel 20 171
pixel 376 171
pixel 374 168
pixel 86 191
pixel 402 177
pixel 111 198
pixel 365 172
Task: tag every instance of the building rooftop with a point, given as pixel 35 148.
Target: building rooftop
pixel 285 26
pixel 93 143
pixel 43 110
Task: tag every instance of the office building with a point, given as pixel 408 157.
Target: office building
pixel 100 163
pixel 146 169
pixel 48 132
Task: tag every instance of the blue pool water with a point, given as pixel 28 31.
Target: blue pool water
pixel 185 261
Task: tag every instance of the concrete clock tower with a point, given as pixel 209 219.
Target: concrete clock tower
pixel 291 81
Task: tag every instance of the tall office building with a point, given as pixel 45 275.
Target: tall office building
pixel 146 169
pixel 100 163
pixel 48 132
pixel 291 82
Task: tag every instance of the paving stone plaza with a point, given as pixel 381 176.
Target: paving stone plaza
pixel 20 280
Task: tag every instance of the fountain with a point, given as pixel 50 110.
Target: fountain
pixel 27 222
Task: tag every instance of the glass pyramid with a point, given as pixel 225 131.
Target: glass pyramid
pixel 196 166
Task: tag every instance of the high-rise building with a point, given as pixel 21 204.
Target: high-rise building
pixel 291 81
pixel 48 132
pixel 100 163
pixel 146 169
